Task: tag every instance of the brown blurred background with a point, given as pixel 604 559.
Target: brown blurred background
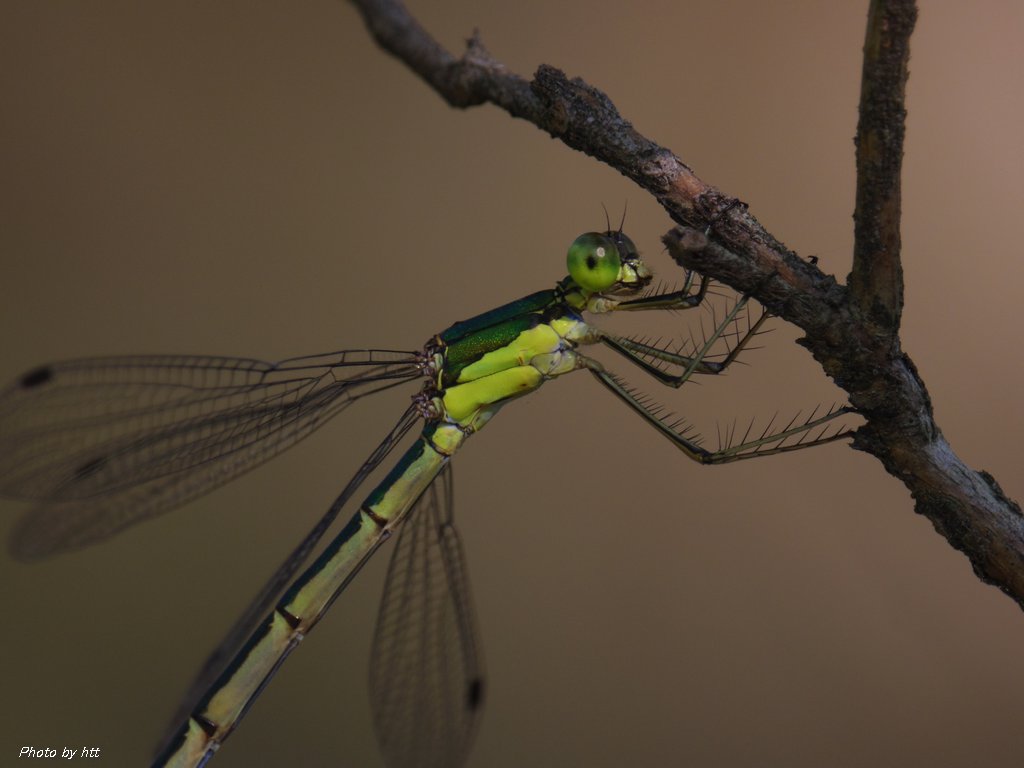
pixel 243 179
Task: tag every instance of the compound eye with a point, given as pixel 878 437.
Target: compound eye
pixel 594 262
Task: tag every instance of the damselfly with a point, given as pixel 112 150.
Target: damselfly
pixel 105 443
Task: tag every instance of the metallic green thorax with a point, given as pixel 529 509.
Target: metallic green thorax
pixel 478 365
pixel 490 359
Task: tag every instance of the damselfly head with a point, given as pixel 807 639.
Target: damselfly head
pixel 606 263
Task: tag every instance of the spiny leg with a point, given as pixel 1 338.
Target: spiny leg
pixel 807 433
pixel 814 430
pixel 640 354
pixel 677 299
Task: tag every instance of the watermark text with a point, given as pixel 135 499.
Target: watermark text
pixel 64 753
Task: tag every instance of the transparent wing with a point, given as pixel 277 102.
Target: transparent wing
pixel 265 598
pixel 426 672
pixel 104 443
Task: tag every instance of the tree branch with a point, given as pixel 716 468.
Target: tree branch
pixel 876 282
pixel 851 331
